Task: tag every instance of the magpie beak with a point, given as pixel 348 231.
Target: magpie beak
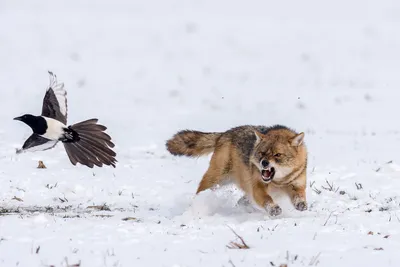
pixel 18 118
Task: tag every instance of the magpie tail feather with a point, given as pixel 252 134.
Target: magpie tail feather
pixel 93 147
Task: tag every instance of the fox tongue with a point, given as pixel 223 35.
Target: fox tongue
pixel 266 173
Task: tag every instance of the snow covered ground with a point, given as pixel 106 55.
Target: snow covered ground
pixel 147 69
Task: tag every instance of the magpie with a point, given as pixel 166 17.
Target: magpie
pixel 85 142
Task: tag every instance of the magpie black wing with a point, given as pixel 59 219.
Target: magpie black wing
pixel 55 101
pixel 37 143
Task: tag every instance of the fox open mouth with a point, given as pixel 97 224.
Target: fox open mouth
pixel 268 174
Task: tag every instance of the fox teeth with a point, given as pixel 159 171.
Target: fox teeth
pixel 268 174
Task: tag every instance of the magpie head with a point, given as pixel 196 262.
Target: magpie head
pixel 37 123
pixel 27 119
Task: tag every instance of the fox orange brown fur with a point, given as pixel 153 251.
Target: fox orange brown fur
pixel 254 158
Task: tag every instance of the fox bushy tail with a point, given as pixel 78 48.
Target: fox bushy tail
pixel 192 143
pixel 91 145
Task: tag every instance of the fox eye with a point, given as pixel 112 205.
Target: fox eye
pixel 277 155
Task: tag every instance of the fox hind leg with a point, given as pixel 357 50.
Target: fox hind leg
pixel 217 172
pixel 213 177
pixel 209 181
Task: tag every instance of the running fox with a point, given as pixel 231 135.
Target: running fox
pixel 254 158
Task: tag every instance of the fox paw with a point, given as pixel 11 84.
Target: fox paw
pixel 301 206
pixel 244 201
pixel 274 210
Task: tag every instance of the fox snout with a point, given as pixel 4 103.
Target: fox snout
pixel 264 163
pixel 267 171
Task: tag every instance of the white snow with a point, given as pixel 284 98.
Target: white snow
pixel 147 69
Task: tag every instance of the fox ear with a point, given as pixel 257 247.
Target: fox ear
pixel 297 140
pixel 258 137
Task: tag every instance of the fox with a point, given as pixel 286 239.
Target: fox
pixel 255 158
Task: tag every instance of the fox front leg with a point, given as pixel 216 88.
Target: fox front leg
pixel 264 200
pixel 298 196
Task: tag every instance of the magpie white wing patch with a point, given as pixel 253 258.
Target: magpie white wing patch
pixel 37 143
pixel 55 101
pixel 55 129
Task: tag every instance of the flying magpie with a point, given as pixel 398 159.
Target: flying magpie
pixel 85 142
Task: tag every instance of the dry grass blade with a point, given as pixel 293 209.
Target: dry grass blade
pixel 359 186
pixel 330 215
pixel 233 265
pixel 17 199
pixel 314 260
pixel 103 216
pixel 131 219
pixel 235 245
pixel 72 265
pixel 330 187
pixel 316 190
pixel 98 207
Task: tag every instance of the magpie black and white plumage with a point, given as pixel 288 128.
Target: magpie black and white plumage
pixel 85 142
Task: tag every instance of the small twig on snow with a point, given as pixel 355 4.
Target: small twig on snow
pixel 235 245
pixel 330 187
pixel 314 260
pixel 72 265
pixel 233 265
pixel 330 214
pixel 359 186
pixel 316 190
